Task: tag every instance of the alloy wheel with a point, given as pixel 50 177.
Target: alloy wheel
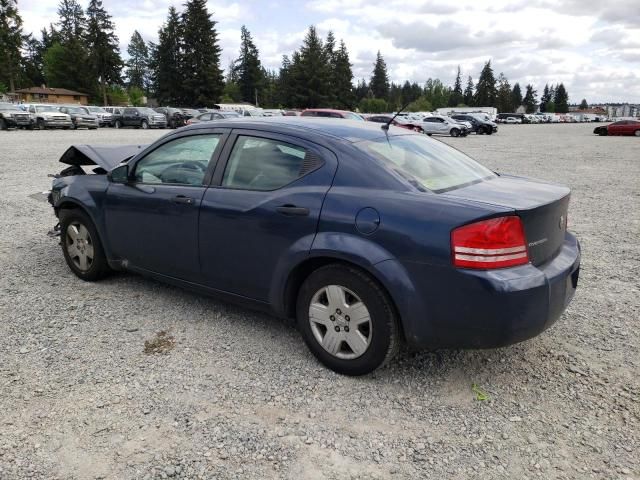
pixel 340 322
pixel 79 245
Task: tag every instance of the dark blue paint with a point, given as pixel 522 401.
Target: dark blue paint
pixel 236 244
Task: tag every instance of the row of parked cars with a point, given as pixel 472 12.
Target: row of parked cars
pixel 46 116
pixel 457 125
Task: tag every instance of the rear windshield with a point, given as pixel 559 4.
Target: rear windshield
pixel 425 163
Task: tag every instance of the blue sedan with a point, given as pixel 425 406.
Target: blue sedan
pixel 368 237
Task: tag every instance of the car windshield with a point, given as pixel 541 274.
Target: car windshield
pixel 353 116
pixel 7 107
pixel 96 110
pixel 425 163
pixel 46 108
pixel 75 110
pixel 230 115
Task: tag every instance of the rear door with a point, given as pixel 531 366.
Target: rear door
pixel 262 209
pixel 131 117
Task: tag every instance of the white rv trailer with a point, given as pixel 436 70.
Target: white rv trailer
pixel 491 111
pixel 244 109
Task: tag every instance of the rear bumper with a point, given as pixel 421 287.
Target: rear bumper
pixel 488 309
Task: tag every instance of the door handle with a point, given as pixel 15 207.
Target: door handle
pixel 181 199
pixel 292 210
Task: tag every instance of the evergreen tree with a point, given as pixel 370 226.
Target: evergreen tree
pixel 457 96
pixel 583 104
pixel 248 69
pixel 10 43
pixel 65 60
pixel 504 100
pixel 285 93
pixel 530 99
pixel 342 84
pixel 166 60
pixel 486 87
pixel 468 93
pixel 380 79
pixel 311 73
pixel 104 61
pixel 32 61
pixel 545 98
pixel 362 90
pixel 561 99
pixel 202 80
pixel 516 96
pixel 138 63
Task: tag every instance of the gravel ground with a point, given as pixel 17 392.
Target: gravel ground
pixel 237 395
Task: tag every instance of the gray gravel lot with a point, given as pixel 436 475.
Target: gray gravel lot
pixel 239 395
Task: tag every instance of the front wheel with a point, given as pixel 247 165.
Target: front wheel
pixel 144 125
pixel 118 124
pixel 41 125
pixel 81 245
pixel 455 132
pixel 637 133
pixel 347 320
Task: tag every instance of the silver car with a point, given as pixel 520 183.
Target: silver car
pixel 443 125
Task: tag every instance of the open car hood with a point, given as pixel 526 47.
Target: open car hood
pixel 105 156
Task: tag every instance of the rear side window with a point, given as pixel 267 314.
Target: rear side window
pixel 264 164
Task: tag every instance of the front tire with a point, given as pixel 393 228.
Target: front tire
pixel 117 124
pixel 81 245
pixel 637 133
pixel 144 125
pixel 3 124
pixel 41 125
pixel 347 320
pixel 454 132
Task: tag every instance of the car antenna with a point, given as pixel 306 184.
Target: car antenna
pixel 385 127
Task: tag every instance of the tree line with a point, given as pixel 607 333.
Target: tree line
pixel 81 52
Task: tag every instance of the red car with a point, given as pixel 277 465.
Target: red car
pixel 624 127
pixel 330 113
pixel 398 122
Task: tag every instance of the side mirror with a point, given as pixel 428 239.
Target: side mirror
pixel 120 174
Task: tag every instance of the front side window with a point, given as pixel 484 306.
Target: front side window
pixel 263 164
pixel 183 161
pixel 426 164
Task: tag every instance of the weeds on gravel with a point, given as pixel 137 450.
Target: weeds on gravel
pixel 481 395
pixel 162 343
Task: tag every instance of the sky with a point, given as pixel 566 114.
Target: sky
pixel 592 46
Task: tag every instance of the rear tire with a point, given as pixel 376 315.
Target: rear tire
pixel 637 133
pixel 454 132
pixel 81 245
pixel 3 124
pixel 117 124
pixel 349 346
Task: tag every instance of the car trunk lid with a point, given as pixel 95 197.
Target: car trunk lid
pixel 541 206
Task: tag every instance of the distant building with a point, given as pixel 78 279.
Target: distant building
pixel 49 95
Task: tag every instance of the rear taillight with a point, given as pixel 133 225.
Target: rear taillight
pixel 494 243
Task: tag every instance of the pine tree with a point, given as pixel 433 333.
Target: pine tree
pixel 504 100
pixel 362 90
pixel 311 75
pixel 104 62
pixel 561 99
pixel 200 63
pixel 530 99
pixel 10 43
pixel 468 93
pixel 486 87
pixel 284 83
pixel 166 60
pixel 457 96
pixel 138 63
pixel 380 79
pixel 545 98
pixel 516 96
pixel 583 104
pixel 32 61
pixel 247 68
pixel 66 58
pixel 342 84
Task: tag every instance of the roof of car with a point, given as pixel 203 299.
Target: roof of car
pixel 326 110
pixel 341 129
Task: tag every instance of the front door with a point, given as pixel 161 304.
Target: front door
pixel 152 222
pixel 262 210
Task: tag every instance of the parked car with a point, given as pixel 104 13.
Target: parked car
pixel 443 125
pixel 116 114
pixel 174 116
pixel 398 121
pixel 477 125
pixel 80 117
pixel 48 116
pixel 402 239
pixel 512 120
pixel 210 116
pixel 330 113
pixel 273 112
pixel 624 127
pixel 105 119
pixel 140 117
pixel 11 116
pixel 190 113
